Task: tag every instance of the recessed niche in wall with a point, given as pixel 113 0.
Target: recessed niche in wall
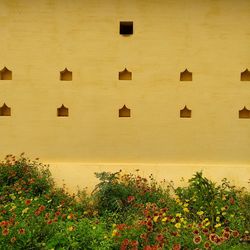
pixel 5 74
pixel 124 112
pixel 62 111
pixel 186 76
pixel 125 75
pixel 185 112
pixel 126 28
pixel 66 75
pixel 245 75
pixel 5 110
pixel 244 113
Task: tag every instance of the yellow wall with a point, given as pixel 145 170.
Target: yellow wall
pixel 210 38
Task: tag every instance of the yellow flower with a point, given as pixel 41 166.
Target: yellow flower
pixel 71 228
pixel 207 224
pixel 217 225
pixel 178 215
pixel 177 225
pixel 217 218
pixel 185 205
pixel 185 209
pixel 114 232
pixel 155 218
pixel 224 213
pixel 223 209
pixel 25 210
pixel 200 213
pixel 181 219
pixel 164 219
pixel 173 220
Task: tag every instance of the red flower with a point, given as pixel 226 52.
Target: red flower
pixel 27 202
pixel 21 231
pixel 57 213
pixel 150 248
pixel 159 238
pixel 125 242
pixel 207 245
pixel 49 222
pixel 197 239
pixel 130 198
pixel 4 224
pixel 205 231
pixel 41 208
pixel 37 212
pixel 47 215
pixel 134 243
pixel 195 231
pixel 176 247
pixel 231 200
pixel 13 239
pixel 235 233
pixel 226 235
pixel 5 232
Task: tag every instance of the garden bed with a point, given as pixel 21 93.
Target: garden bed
pixel 125 211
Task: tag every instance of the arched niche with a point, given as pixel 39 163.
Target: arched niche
pixel 5 74
pixel 62 111
pixel 126 28
pixel 66 75
pixel 124 112
pixel 244 113
pixel 5 110
pixel 186 76
pixel 245 75
pixel 125 75
pixel 185 112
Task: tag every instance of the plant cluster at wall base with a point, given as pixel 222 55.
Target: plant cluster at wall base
pixel 124 211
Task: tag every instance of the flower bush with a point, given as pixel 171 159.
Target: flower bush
pixel 125 211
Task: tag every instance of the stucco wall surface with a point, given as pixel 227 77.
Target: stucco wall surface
pixel 209 38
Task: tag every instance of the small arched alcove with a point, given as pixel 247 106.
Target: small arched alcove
pixel 66 75
pixel 124 112
pixel 125 75
pixel 185 112
pixel 5 74
pixel 186 76
pixel 244 113
pixel 5 110
pixel 126 28
pixel 63 111
pixel 245 75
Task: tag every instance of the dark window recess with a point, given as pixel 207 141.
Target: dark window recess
pixel 245 75
pixel 124 112
pixel 5 74
pixel 185 112
pixel 244 113
pixel 126 28
pixel 5 110
pixel 186 76
pixel 62 111
pixel 66 75
pixel 125 75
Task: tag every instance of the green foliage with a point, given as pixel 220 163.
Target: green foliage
pixel 21 175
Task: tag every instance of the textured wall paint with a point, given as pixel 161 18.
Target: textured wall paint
pixel 210 38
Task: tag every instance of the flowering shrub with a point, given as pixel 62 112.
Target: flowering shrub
pixel 125 211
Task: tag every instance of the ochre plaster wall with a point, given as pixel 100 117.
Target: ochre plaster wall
pixel 210 38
